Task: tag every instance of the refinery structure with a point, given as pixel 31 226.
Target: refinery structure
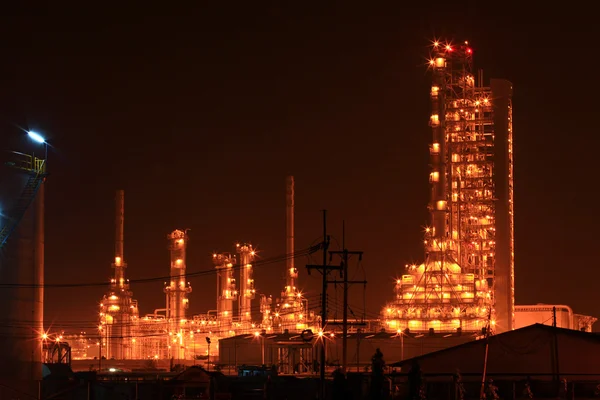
pixel 462 290
pixel 466 281
pixel 170 333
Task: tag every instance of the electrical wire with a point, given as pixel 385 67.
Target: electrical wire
pixel 301 253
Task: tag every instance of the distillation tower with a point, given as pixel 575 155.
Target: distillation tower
pixel 291 310
pixel 247 291
pixel 118 309
pixel 177 291
pixel 467 279
pixel 226 289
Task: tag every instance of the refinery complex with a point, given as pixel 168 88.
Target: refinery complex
pixel 462 290
pixel 464 286
pixel 170 332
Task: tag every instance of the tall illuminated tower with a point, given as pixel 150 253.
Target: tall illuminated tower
pixel 118 310
pixel 247 291
pixel 467 279
pixel 178 289
pixel 290 313
pixel 226 289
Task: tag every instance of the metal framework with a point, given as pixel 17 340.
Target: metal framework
pixel 471 196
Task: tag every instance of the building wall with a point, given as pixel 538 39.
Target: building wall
pixel 239 350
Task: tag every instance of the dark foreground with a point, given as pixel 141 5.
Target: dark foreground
pixel 196 383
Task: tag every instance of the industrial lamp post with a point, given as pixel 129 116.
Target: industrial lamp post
pixel 40 139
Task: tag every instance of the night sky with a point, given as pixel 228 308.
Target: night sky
pixel 200 113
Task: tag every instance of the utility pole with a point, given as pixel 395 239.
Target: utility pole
pixel 345 254
pixel 324 269
pixel 100 355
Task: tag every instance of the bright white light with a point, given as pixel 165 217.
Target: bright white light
pixel 112 369
pixel 37 137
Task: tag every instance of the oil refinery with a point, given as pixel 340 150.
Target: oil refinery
pixel 462 290
pixel 170 333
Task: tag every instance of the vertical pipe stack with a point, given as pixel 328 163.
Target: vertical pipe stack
pixel 117 327
pixel 292 272
pixel 118 310
pixel 226 289
pixel 501 92
pixel 177 290
pixel 119 238
pixel 247 291
pixel 437 178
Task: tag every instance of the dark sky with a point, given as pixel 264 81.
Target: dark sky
pixel 200 113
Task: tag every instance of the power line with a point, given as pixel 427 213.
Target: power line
pixel 301 253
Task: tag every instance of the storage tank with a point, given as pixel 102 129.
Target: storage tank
pixel 21 272
pixel 545 314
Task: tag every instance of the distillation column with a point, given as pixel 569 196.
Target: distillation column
pixel 438 202
pixel 501 93
pixel 177 291
pixel 118 311
pixel 292 272
pixel 290 313
pixel 226 290
pixel 247 291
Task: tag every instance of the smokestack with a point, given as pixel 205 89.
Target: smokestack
pixel 289 229
pixel 119 225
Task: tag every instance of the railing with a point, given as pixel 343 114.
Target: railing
pixel 26 162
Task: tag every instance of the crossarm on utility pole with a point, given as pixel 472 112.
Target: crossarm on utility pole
pixel 324 267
